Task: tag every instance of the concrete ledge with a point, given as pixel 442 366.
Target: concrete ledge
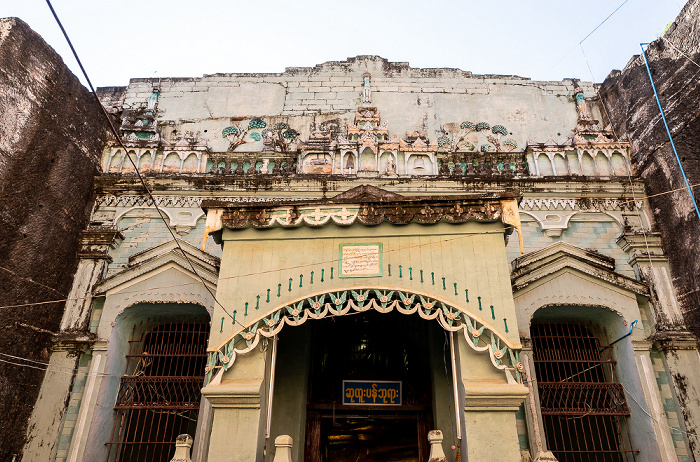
pixel 485 396
pixel 240 394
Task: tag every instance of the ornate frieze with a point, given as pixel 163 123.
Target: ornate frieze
pixel 457 209
pixel 479 335
pixel 276 138
pixel 471 137
pixel 581 204
pixel 139 127
pixel 110 200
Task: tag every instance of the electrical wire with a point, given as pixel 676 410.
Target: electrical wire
pixel 332 261
pixel 678 50
pixel 651 416
pixel 306 265
pixel 586 37
pixel 138 174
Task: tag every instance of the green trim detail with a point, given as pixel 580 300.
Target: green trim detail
pixel 479 337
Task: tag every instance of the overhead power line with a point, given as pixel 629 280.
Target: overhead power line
pixel 138 174
pixel 586 37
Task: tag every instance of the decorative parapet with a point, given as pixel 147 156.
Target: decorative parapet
pixel 529 204
pixel 589 151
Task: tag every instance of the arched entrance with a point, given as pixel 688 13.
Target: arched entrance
pixel 367 339
pixel 379 326
pixel 353 362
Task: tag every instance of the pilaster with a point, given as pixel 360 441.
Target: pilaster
pixel 236 397
pixel 51 415
pixel 681 360
pixel 95 244
pixel 654 401
pixel 651 265
pixel 490 405
pixel 533 416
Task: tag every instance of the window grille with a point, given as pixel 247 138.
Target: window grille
pixel 583 405
pixel 159 396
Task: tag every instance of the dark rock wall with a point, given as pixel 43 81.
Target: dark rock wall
pixel 634 113
pixel 51 136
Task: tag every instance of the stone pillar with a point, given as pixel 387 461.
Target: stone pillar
pixel 69 344
pixel 667 450
pixel 671 336
pixel 651 265
pixel 680 357
pixel 436 452
pixel 236 400
pixel 533 416
pixel 95 244
pixel 491 402
pixel 283 449
pixel 183 443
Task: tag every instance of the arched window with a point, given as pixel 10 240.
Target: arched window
pixel 159 395
pixel 584 411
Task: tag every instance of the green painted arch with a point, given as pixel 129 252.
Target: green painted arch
pixel 479 334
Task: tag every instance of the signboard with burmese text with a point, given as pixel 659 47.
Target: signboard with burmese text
pixel 360 260
pixel 372 392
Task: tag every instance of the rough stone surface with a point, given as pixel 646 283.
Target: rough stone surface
pixel 634 113
pixel 51 132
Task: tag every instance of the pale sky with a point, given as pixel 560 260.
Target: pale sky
pixel 119 40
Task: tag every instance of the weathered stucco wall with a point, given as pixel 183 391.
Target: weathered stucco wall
pixel 328 95
pixel 51 132
pixel 634 113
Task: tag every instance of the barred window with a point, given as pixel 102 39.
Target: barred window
pixel 583 405
pixel 159 395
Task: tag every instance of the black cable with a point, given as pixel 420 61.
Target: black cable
pixel 138 174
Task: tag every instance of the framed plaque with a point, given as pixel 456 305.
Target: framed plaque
pixel 360 260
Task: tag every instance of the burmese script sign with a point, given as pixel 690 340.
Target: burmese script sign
pixel 372 392
pixel 360 260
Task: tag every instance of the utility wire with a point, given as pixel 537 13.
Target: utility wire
pixel 334 260
pixel 629 169
pixel 306 265
pixel 679 50
pixel 586 37
pixel 138 174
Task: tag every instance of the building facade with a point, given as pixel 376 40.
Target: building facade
pixel 365 252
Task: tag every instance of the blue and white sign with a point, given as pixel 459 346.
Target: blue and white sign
pixel 371 392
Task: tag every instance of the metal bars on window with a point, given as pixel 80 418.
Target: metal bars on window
pixel 159 396
pixel 582 402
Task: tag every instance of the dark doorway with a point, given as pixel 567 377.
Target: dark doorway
pixel 376 347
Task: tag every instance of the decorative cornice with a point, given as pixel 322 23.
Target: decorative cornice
pixel 529 203
pixel 536 265
pixel 365 205
pixel 674 340
pixel 72 341
pixel 482 396
pixel 238 394
pixel 96 242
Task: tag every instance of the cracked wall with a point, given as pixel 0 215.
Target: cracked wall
pixel 51 134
